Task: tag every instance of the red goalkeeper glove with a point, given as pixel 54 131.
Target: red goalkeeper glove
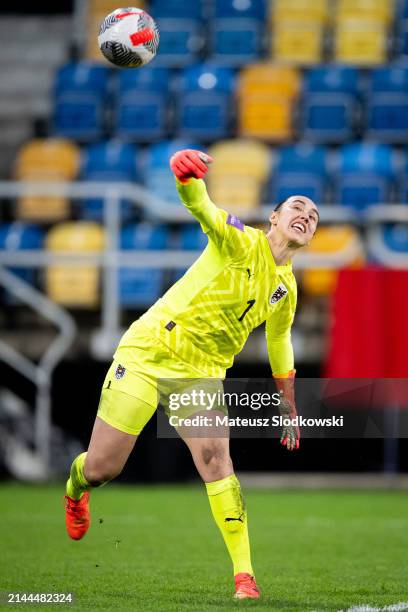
pixel 188 163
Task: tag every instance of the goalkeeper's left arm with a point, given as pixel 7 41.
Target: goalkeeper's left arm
pixel 280 351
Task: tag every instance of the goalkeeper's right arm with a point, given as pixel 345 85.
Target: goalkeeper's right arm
pixel 223 229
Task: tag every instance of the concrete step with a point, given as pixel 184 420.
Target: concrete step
pixel 13 106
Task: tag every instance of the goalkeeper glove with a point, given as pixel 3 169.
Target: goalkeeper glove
pixel 286 386
pixel 290 433
pixel 188 163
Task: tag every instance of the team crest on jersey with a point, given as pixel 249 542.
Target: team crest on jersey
pixel 235 222
pixel 278 294
pixel 120 372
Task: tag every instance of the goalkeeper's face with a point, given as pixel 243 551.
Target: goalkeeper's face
pixel 296 220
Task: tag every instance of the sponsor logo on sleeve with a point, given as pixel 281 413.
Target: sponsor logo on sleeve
pixel 278 294
pixel 235 222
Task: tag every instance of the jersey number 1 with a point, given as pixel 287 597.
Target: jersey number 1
pixel 247 309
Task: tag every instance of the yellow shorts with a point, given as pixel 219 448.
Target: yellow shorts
pixel 130 397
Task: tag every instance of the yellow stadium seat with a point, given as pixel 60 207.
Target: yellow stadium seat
pixel 360 41
pixel 264 116
pixel 48 160
pixel 296 41
pixel 241 156
pixel 267 78
pixel 239 173
pixel 266 95
pixel 97 11
pixel 75 285
pixel 383 10
pixel 322 282
pixel 316 10
pixel 236 195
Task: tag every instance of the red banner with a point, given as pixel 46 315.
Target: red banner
pixel 368 334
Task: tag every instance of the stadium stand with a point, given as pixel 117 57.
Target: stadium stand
pixel 141 104
pixel 383 10
pixel 330 104
pixel 360 41
pixel 74 286
pixel 178 9
pixel 395 237
pixel 204 102
pixel 181 34
pixel 80 99
pixel 266 99
pixel 236 31
pixel 300 9
pixel 296 42
pixel 271 126
pixel 18 236
pixel 139 288
pixel 50 160
pixel 387 105
pixel 402 179
pixel 113 161
pixel 301 169
pixel 366 174
pixel 238 178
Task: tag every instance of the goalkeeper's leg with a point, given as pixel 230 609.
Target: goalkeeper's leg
pixel 107 454
pixel 212 459
pixel 121 417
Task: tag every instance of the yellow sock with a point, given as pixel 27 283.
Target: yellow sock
pixel 229 512
pixel 77 484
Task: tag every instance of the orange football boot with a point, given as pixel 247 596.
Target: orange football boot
pixel 246 587
pixel 77 517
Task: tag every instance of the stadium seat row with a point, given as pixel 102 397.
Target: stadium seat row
pixel 329 104
pixel 235 32
pixel 246 174
pixel 79 286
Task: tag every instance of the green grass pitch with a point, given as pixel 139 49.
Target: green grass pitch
pixel 157 548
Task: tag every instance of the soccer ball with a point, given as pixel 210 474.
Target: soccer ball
pixel 128 37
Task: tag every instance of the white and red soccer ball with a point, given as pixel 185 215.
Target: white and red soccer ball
pixel 129 37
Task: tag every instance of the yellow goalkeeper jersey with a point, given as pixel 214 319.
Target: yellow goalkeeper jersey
pixel 232 288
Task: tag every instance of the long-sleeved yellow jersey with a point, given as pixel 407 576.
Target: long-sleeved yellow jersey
pixel 234 286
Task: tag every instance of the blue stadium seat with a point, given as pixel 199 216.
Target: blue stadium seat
pixel 80 94
pixel 395 237
pixel 236 31
pixel 157 175
pixel 387 104
pixel 177 9
pixel 402 9
pixel 191 238
pixel 366 173
pixel 20 236
pixel 300 169
pixel 330 102
pixel 402 179
pixel 236 41
pixel 181 41
pixel 113 161
pixel 252 9
pixel 141 110
pixel 139 288
pixel 204 104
